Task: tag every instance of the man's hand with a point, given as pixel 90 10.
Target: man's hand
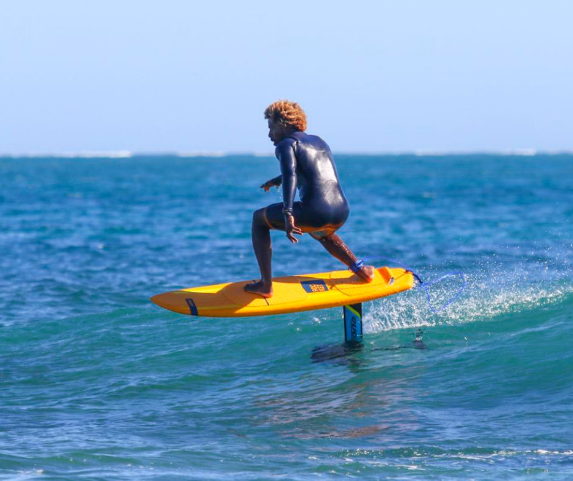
pixel 268 184
pixel 291 229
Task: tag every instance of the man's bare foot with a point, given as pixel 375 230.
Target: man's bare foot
pixel 367 273
pixel 260 289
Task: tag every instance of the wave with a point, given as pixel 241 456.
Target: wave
pixel 486 297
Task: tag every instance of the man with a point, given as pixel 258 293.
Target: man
pixel 306 162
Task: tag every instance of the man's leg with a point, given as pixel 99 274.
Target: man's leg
pixel 338 249
pixel 262 246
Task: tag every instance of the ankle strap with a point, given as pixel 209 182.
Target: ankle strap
pixel 356 267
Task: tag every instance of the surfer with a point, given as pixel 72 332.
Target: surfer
pixel 306 162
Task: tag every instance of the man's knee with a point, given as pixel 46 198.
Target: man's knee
pixel 259 218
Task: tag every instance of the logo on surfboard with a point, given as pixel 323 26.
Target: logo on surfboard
pixel 316 285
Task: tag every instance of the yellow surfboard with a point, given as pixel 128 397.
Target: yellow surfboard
pixel 304 292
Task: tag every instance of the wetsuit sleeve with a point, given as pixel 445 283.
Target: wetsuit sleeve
pixel 277 180
pixel 287 159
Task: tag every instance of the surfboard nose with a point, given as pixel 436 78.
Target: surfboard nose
pixel 176 301
pixel 162 300
pixel 156 300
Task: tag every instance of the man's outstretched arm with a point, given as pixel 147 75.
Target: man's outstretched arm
pixel 277 181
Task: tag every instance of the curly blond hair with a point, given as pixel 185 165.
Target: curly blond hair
pixel 288 113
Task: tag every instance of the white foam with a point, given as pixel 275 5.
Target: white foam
pixel 483 299
pixel 521 152
pixel 216 154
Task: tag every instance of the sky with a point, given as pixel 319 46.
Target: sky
pixel 373 76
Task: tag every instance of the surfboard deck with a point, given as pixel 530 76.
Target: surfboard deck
pixel 306 292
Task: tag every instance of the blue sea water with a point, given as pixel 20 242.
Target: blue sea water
pixel 98 383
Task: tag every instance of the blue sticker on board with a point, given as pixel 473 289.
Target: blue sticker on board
pixel 192 307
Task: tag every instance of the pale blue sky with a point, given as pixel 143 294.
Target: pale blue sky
pixel 373 76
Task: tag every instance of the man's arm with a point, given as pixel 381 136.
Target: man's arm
pixel 287 159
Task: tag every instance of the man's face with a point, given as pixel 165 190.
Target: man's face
pixel 277 132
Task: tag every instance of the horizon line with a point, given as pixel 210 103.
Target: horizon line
pixel 122 154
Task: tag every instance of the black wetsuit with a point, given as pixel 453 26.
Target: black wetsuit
pixel 307 163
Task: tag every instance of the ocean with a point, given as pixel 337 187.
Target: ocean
pixel 97 383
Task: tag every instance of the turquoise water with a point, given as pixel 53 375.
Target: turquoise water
pixel 98 383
